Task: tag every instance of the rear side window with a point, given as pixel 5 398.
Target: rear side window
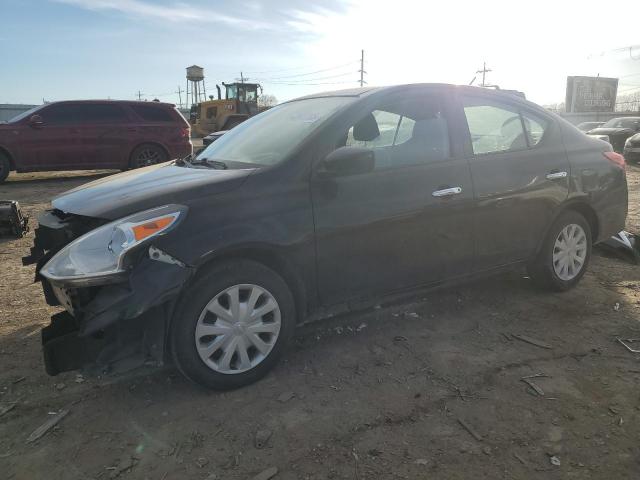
pixel 102 113
pixel 497 128
pixel 153 114
pixel 535 128
pixel 494 129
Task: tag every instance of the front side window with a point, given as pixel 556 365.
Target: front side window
pixel 411 131
pixel 62 114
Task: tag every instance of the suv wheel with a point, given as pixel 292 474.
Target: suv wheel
pixel 232 325
pixel 147 154
pixel 565 253
pixel 5 168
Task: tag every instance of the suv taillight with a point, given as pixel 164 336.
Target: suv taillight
pixel 185 132
pixel 616 159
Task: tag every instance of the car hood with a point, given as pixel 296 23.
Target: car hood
pixel 125 193
pixel 609 131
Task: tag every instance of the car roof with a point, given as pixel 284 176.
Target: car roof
pixel 118 102
pixel 366 91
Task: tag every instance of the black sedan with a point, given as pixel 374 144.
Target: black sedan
pixel 335 200
pixel 616 131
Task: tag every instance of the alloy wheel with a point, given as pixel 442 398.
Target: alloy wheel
pixel 148 156
pixel 238 328
pixel 570 252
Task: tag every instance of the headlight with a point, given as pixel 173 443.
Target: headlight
pixel 100 253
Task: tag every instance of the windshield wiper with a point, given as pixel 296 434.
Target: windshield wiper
pixel 210 163
pixel 185 160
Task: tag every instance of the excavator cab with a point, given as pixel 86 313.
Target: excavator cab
pixel 240 103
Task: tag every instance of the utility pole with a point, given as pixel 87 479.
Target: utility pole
pixel 179 92
pixel 362 71
pixel 484 71
pixel 139 96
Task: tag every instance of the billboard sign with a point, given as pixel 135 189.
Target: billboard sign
pixel 591 94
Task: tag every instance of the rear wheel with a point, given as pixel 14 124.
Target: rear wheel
pixel 147 154
pixel 233 325
pixel 5 168
pixel 565 253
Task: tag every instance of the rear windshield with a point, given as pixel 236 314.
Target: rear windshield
pixel 153 114
pixel 269 137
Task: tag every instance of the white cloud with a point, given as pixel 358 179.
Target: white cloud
pixel 176 12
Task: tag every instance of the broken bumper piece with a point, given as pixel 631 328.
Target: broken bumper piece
pixel 123 323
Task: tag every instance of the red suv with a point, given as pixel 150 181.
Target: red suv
pixel 88 134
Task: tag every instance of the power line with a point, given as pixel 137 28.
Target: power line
pixel 306 80
pixel 286 77
pixel 302 68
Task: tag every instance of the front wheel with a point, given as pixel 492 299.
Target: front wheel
pixel 565 253
pixel 232 325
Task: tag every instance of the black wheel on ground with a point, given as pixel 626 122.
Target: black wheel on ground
pixel 565 253
pixel 232 325
pixel 147 154
pixel 5 167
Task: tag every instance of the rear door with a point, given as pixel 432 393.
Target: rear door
pixel 104 133
pixel 520 174
pixel 406 223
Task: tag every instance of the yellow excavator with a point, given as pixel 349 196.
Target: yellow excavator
pixel 239 103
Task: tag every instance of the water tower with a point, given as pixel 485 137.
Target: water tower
pixel 195 85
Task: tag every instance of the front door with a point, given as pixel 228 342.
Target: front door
pixel 520 174
pixel 56 143
pixel 407 222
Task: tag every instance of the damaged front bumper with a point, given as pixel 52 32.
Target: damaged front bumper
pixel 105 325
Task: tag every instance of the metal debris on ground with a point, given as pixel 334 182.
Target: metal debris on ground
pixel 12 221
pixel 261 438
pixel 60 386
pixel 519 458
pixel 124 466
pixel 46 426
pixel 531 340
pixel 361 327
pixel 79 378
pixel 554 460
pixel 535 387
pixel 266 474
pixel 422 461
pixel 7 408
pixel 616 306
pixel 18 380
pixel 470 429
pixel 630 340
pixel 286 396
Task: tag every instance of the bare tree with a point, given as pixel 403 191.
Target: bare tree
pixel 267 100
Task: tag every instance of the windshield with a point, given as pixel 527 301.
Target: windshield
pixel 621 123
pixel 26 114
pixel 268 138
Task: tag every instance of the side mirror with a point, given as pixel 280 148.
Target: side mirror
pixel 36 121
pixel 349 161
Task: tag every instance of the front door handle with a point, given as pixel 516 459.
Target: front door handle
pixel 447 192
pixel 555 175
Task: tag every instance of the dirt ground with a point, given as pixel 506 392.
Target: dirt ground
pixel 378 394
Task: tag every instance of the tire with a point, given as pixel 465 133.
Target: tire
pixel 147 154
pixel 198 337
pixel 547 269
pixel 5 168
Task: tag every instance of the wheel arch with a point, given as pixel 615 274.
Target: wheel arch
pixel 587 211
pixel 4 152
pixel 272 258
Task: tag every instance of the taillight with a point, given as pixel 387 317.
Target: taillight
pixel 616 159
pixel 185 132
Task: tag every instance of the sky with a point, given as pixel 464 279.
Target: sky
pixel 70 49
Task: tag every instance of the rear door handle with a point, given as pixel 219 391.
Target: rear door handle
pixel 447 192
pixel 555 175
